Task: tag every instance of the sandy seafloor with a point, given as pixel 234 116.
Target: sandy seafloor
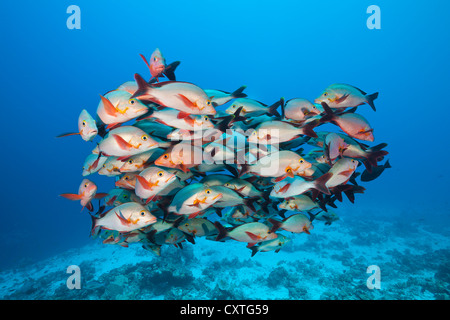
pixel 330 263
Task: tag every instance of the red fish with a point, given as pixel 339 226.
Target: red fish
pixel 86 192
pixel 158 67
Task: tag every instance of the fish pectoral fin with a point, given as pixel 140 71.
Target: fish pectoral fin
pixel 109 107
pixel 71 196
pixel 122 219
pixel 183 167
pixel 284 176
pixel 346 173
pixel 67 134
pixel 251 244
pixel 113 126
pixel 193 215
pixel 183 115
pixel 122 143
pixel 253 236
pixel 187 102
pixel 145 60
pixel 341 98
pixel 144 183
pixel 100 195
pixel 150 199
pixel 284 188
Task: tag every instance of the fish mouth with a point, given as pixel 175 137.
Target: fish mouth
pixel 218 196
pixel 173 176
pixel 151 220
pixel 93 131
pixel 141 109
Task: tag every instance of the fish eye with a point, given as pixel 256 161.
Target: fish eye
pixel 208 103
pixel 83 123
pixel 142 213
pixel 206 118
pixel 186 224
pixel 325 94
pixel 227 184
pixel 86 185
pixel 301 161
pixel 254 133
pixel 166 156
pixel 144 137
pixel 288 170
pixel 208 191
pixel 131 101
pixel 125 197
pixel 160 173
pixel 104 166
pixel 126 177
pixel 154 59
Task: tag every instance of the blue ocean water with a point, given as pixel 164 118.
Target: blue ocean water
pixel 284 49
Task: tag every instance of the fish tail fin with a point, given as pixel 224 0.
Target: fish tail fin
pixel 320 183
pixel 170 70
pixel 189 238
pixel 245 168
pixel 151 236
pixel 222 231
pixel 282 213
pixel 273 108
pixel 373 154
pixel 329 114
pixel 238 93
pixel 237 117
pixel 165 209
pixel 143 86
pixel 331 201
pixel 102 130
pixel 254 250
pixel 225 123
pixel 370 98
pixel 322 205
pixel 177 222
pixel 275 224
pixel 350 193
pixel 94 229
pixel 308 128
pixel 378 147
pixel 218 211
pixel 232 170
pixel 387 164
pixel 249 202
pixel 373 157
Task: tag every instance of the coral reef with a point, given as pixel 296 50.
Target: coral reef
pixel 329 266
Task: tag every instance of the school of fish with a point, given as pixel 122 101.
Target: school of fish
pixel 189 162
